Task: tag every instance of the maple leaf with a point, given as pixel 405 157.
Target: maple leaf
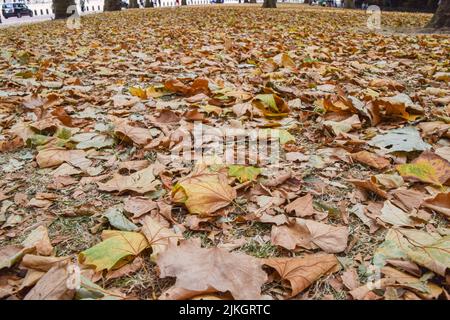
pixel 203 192
pixel 141 182
pixel 243 173
pixel 428 167
pixel 310 234
pixel 301 272
pixel 201 269
pixel 117 248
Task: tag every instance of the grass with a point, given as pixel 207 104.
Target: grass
pixel 145 283
pixel 75 234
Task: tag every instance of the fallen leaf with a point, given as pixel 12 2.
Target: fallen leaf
pixel 51 157
pixel 428 168
pixel 203 192
pixel 440 203
pixel 404 139
pixel 141 182
pixel 38 239
pixel 118 220
pixel 125 132
pixel 395 216
pixel 116 250
pixel 301 272
pixel 302 206
pixel 243 173
pixel 201 269
pixel 310 234
pixel 371 160
pixel 54 284
pixel 158 236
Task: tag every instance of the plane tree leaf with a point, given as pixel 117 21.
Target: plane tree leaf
pixel 141 182
pixel 301 272
pixel 204 192
pixel 428 168
pixel 404 139
pixel 244 173
pixel 117 249
pixel 201 269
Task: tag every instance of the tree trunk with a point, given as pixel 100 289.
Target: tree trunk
pixel 441 18
pixel 112 5
pixel 252 1
pixel 349 4
pixel 184 2
pixel 270 4
pixel 148 4
pixel 60 8
pixel 133 4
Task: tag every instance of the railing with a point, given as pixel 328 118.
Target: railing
pixel 44 8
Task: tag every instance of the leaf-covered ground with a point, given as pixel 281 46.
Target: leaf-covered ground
pixel 94 206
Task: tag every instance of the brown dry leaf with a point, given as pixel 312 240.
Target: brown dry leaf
pixel 387 83
pixel 302 206
pixel 408 199
pixel 371 160
pixel 440 203
pixel 310 234
pixel 301 272
pixel 424 289
pixel 174 293
pixel 395 216
pixel 128 167
pixel 158 236
pixel 201 269
pixel 140 182
pixel 11 254
pixel 125 132
pixel 51 157
pixel 139 206
pixel 203 192
pixel 370 186
pixel 55 284
pixel 41 263
pixel 11 145
pixel 428 168
pixel 176 86
pixel 399 106
pixel 388 181
pixel 38 239
pixel 350 279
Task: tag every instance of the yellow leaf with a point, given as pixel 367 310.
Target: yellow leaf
pixel 118 248
pixel 428 168
pixel 203 193
pixel 138 92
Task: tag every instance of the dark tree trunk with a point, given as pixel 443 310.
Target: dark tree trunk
pixel 441 18
pixel 133 4
pixel 112 5
pixel 60 8
pixel 349 4
pixel 270 4
pixel 184 2
pixel 148 4
pixel 252 1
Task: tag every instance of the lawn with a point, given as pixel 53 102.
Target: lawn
pixel 351 202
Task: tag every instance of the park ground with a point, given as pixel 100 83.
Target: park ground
pixel 124 82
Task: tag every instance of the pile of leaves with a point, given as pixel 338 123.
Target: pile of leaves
pixel 94 206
